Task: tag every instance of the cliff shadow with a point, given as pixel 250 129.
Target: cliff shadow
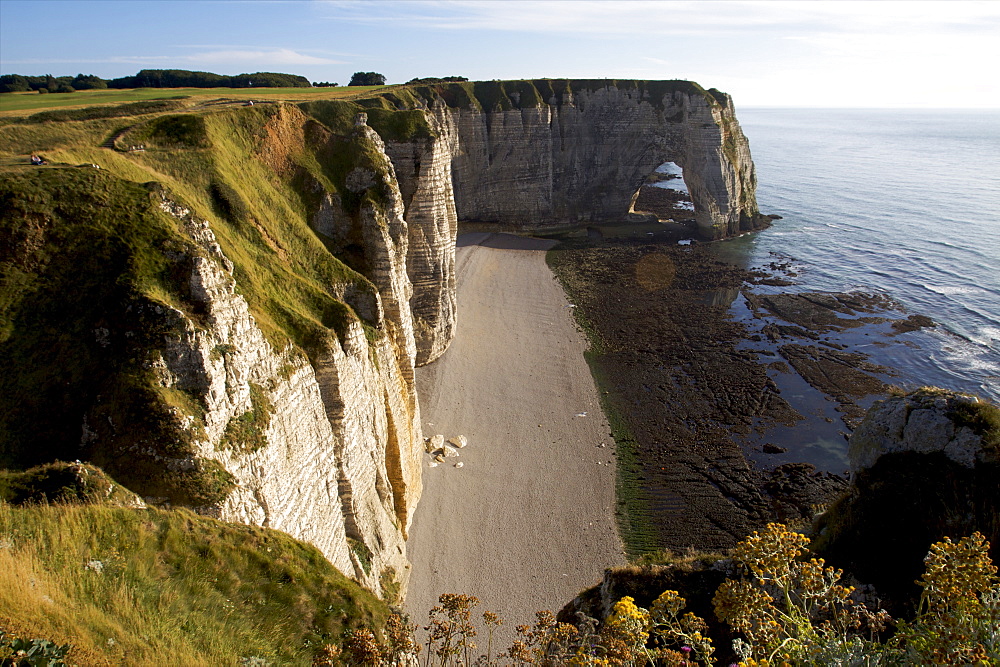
pixel 500 241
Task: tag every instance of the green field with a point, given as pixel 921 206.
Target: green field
pixel 17 104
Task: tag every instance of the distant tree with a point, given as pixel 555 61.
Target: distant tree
pixel 13 83
pixel 268 80
pixel 434 79
pixel 88 82
pixel 123 82
pixel 367 79
pixel 324 84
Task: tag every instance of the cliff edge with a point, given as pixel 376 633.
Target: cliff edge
pixel 530 154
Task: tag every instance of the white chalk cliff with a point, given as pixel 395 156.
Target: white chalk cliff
pixel 531 154
pixel 341 467
pixel 235 411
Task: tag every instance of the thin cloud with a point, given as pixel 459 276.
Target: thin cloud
pixel 670 17
pixel 232 57
pixel 273 56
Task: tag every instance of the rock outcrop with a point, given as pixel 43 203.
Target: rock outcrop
pixel 529 154
pixel 424 169
pixel 923 467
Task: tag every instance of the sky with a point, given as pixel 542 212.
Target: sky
pixel 782 54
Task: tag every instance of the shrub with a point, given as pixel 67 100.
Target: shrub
pixel 13 83
pixel 791 609
pixel 959 615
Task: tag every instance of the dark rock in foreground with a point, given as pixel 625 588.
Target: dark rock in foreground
pixel 924 467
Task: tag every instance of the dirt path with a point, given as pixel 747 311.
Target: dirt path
pixel 528 521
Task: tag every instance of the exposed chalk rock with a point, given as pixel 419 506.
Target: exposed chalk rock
pixel 434 443
pixel 573 152
pixel 341 441
pixel 459 441
pixel 922 422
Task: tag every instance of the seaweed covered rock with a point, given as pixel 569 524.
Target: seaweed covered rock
pixel 924 467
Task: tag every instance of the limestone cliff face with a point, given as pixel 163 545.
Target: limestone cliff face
pixel 526 155
pixel 424 170
pixel 578 151
pixel 335 461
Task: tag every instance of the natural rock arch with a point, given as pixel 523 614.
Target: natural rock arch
pixel 527 154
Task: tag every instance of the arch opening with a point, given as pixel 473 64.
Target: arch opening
pixel 664 196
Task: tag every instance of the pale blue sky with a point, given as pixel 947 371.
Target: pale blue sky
pixel 832 54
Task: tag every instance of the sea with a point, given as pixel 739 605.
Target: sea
pixel 902 203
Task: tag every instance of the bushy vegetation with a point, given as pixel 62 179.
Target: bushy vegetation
pixel 179 78
pixel 367 79
pixel 15 83
pixel 156 587
pixel 786 608
pixel 434 79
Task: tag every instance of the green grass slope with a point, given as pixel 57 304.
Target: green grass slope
pixel 156 587
pixel 90 266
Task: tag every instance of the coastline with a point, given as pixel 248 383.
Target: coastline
pixel 731 405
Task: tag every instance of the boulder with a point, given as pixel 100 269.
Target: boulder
pixel 434 443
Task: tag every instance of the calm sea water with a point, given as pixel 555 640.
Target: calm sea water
pixel 903 202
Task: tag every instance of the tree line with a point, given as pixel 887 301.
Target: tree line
pixel 150 78
pixel 182 78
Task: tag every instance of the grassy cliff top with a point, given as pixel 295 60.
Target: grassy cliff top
pixel 528 93
pixel 482 95
pixel 21 104
pixel 89 264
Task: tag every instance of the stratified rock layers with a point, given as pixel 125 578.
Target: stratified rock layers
pixel 321 437
pixel 338 463
pixel 528 160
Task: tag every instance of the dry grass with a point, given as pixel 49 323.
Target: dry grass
pixel 154 587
